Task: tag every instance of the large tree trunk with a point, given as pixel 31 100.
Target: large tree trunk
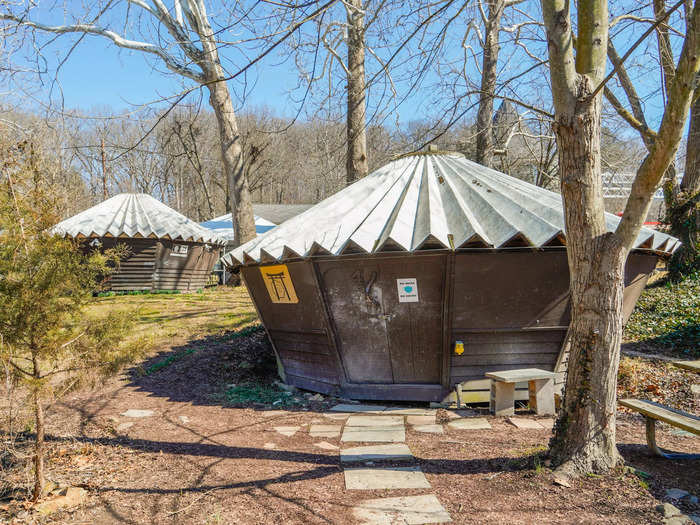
pixel 484 117
pixel 584 438
pixel 232 156
pixel 356 162
pixel 684 214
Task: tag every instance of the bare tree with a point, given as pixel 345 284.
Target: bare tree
pixel 356 163
pixel 680 199
pixel 193 53
pixel 584 439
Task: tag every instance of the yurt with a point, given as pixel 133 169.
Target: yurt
pixel 167 251
pixel 428 273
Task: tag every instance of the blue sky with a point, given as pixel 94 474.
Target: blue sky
pixel 99 77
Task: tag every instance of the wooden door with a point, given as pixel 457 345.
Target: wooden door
pixel 385 338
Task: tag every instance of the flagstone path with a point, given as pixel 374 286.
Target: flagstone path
pixel 388 463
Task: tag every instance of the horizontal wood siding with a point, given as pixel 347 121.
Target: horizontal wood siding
pixel 490 352
pixel 149 265
pixel 306 355
pixel 184 273
pixel 136 270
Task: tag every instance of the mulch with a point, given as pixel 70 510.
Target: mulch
pixel 199 461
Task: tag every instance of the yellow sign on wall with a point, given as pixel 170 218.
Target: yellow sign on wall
pixel 279 284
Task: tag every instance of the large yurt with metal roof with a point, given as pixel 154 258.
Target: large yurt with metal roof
pixel 426 274
pixel 166 250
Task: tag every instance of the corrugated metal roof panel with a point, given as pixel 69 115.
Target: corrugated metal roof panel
pixel 134 215
pixel 427 201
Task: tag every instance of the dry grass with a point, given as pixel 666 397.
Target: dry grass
pixel 164 318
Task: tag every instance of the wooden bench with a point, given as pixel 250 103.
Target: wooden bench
pixel 693 366
pixel 540 386
pixel 654 412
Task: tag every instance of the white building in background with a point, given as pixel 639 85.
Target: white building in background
pixel 618 185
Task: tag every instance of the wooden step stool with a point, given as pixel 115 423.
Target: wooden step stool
pixel 540 385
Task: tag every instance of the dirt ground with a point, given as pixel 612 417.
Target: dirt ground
pixel 198 459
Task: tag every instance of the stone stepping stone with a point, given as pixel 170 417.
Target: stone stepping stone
pixel 357 408
pixel 374 421
pixel 322 431
pixel 385 478
pixel 473 423
pixel 421 420
pixel 124 426
pixel 274 413
pixel 391 434
pixel 325 445
pixel 269 446
pixel 287 431
pixel 521 422
pixel 410 411
pixel 393 452
pixel 410 510
pixel 461 412
pixel 337 417
pixel 433 429
pixel 133 412
pixel 184 419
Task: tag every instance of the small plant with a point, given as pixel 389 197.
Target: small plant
pixel 155 367
pixel 250 393
pixel 46 338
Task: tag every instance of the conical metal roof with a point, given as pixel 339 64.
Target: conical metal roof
pixel 134 215
pixel 223 226
pixel 426 202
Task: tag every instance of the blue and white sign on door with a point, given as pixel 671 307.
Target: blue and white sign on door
pixel 408 290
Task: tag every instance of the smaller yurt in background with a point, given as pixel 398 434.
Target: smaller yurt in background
pixel 223 226
pixel 267 216
pixel 167 251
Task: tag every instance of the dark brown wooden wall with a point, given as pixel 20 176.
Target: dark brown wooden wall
pixel 298 331
pixel 150 265
pixel 190 273
pixel 510 309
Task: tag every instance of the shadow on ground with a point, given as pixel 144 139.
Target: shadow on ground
pixel 199 371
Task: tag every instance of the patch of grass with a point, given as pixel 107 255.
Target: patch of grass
pixel 138 292
pixel 159 365
pixel 667 316
pixel 250 393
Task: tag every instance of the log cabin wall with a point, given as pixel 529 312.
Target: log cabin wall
pixel 160 264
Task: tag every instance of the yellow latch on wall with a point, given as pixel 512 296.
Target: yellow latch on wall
pixel 459 347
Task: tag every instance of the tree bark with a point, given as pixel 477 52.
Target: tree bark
pixel 684 214
pixel 489 70
pixel 241 205
pixel 584 439
pixel 356 162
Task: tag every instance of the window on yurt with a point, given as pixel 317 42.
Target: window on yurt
pixel 180 250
